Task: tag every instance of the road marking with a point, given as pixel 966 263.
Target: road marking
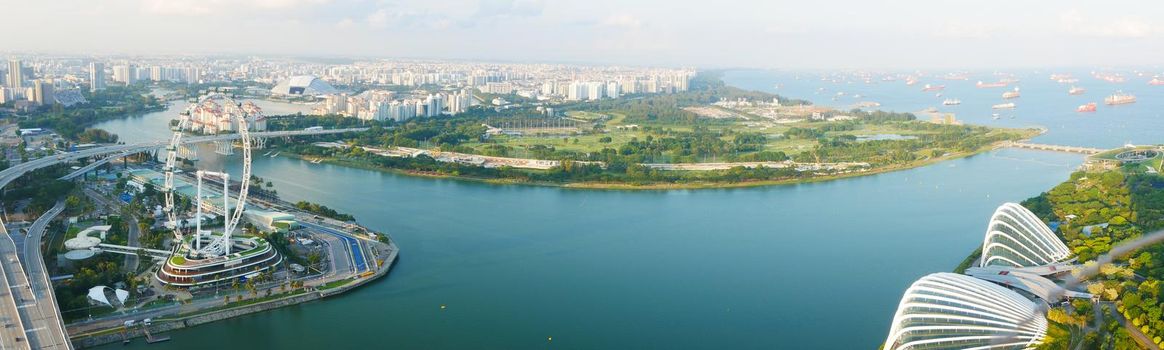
pixel 34 330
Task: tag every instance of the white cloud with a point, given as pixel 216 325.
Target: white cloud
pixel 511 8
pixel 177 7
pixel 622 21
pixel 963 31
pixel 379 19
pixel 280 4
pixel 218 7
pixel 345 23
pixel 1073 21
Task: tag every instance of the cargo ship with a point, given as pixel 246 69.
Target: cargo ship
pixel 1008 105
pixel 929 87
pixel 1011 94
pixel 1119 98
pixel 982 85
pixel 1090 107
pixel 1075 90
pixel 956 76
pixel 952 102
pixel 1156 81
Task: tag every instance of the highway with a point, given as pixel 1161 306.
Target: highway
pixel 12 334
pixel 28 307
pixel 40 327
pixel 54 325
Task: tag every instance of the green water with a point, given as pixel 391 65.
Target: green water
pixel 813 266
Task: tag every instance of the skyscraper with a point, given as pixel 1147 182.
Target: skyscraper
pixel 42 93
pixel 15 75
pixel 126 74
pixel 96 76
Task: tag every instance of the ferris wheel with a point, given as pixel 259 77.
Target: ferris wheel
pixel 218 245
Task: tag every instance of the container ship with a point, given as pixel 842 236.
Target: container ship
pixel 1011 94
pixel 1008 105
pixel 1090 107
pixel 1156 81
pixel 982 85
pixel 1075 90
pixel 1119 98
pixel 929 87
pixel 952 102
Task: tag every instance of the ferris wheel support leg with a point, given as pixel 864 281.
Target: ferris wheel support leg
pixel 198 217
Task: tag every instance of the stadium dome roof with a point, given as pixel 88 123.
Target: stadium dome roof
pixel 303 85
pixel 951 311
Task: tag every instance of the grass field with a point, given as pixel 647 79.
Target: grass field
pixel 591 142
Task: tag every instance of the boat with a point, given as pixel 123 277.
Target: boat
pixel 1155 82
pixel 938 95
pixel 983 85
pixel 1090 107
pixel 275 155
pixel 1011 94
pixel 1119 98
pixel 995 116
pixel 929 87
pixel 1008 105
pixel 1075 90
pixel 952 102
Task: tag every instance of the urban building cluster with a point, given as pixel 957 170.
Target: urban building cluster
pixel 25 90
pixel 384 105
pixel 217 113
pixel 366 89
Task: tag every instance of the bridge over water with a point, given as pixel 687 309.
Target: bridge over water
pixel 1055 148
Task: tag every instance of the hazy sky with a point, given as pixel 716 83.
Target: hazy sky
pixel 705 33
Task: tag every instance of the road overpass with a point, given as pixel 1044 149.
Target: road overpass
pixel 29 313
pixel 110 153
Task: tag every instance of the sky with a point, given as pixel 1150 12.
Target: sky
pixel 852 34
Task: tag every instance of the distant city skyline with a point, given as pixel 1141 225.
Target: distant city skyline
pixel 904 34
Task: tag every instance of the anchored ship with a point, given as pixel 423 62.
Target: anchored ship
pixel 1090 107
pixel 1119 98
pixel 1156 81
pixel 1008 105
pixel 1011 94
pixel 1075 90
pixel 982 85
pixel 929 87
pixel 952 102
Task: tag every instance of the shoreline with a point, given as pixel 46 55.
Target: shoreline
pixel 180 321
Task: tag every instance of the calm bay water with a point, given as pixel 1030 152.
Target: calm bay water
pixel 817 265
pixel 1044 103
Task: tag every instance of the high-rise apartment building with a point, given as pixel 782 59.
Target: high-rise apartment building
pixel 96 76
